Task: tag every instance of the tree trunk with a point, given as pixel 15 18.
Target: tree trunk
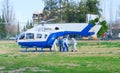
pixel 98 43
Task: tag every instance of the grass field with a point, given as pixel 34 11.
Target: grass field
pixel 90 58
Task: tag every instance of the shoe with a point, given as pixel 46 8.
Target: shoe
pixel 72 51
pixel 75 50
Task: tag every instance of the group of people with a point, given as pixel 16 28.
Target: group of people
pixel 63 44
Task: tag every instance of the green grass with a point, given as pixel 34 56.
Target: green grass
pixel 111 44
pixel 88 59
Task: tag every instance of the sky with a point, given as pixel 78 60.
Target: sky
pixel 109 8
pixel 25 8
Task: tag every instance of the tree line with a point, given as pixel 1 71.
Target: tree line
pixel 70 10
pixel 7 18
pixel 2 27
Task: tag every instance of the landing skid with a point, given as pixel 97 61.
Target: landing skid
pixel 36 49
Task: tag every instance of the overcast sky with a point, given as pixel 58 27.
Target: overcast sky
pixel 25 8
pixel 109 8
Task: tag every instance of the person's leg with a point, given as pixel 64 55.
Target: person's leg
pixel 75 49
pixel 72 47
pixel 60 48
pixel 56 48
pixel 66 47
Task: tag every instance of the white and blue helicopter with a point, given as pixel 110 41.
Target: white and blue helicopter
pixel 44 36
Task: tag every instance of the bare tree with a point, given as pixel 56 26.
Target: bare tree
pixel 116 26
pixel 9 15
pixel 118 15
pixel 111 15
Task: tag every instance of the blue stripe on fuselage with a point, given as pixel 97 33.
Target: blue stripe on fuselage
pixel 34 44
pixel 85 31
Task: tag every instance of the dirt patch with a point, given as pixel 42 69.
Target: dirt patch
pixel 1 68
pixel 3 51
pixel 69 64
pixel 34 69
pixel 7 41
pixel 62 64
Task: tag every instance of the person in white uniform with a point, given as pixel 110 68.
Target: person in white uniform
pixel 65 45
pixel 54 46
pixel 73 43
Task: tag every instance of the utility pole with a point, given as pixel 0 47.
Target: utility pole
pixel 61 11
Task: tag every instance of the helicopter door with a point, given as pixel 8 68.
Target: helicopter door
pixel 41 36
pixel 29 36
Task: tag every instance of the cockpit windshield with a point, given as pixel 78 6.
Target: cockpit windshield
pixel 22 36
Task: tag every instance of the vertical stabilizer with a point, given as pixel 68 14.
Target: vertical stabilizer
pixel 95 29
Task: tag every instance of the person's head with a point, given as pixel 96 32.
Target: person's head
pixel 61 37
pixel 65 36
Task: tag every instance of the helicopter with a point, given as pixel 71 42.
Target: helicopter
pixel 44 36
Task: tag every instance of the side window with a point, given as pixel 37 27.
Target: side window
pixel 22 36
pixel 29 35
pixel 39 36
pixel 45 36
